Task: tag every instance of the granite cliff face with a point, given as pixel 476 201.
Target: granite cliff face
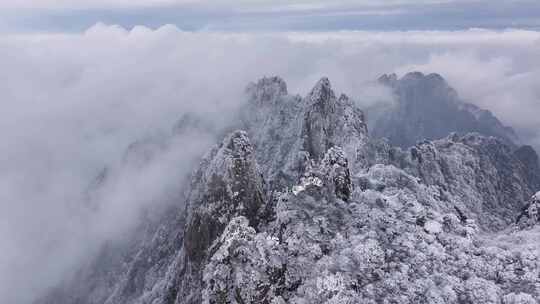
pixel 304 207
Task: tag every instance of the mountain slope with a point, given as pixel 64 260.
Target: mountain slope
pixel 304 207
pixel 428 108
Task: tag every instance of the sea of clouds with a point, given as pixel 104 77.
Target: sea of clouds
pixel 73 103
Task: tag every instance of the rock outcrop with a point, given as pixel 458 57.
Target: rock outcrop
pixel 287 130
pixel 530 215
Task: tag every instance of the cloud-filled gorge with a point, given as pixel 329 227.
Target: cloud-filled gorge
pixel 73 103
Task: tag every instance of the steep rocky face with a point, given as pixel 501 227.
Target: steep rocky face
pixel 531 164
pixel 303 207
pixel 530 215
pixel 480 175
pixel 332 122
pixel 335 169
pixel 398 243
pixel 288 130
pixel 428 108
pixel 228 185
pixel 273 120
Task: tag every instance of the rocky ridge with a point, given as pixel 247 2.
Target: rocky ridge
pixel 304 207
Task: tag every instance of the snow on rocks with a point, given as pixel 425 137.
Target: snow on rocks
pixel 332 171
pixel 267 89
pixel 243 261
pixel 335 167
pixel 519 298
pixel 321 92
pixel 536 197
pixel 530 215
pixel 228 184
pixel 433 227
pixel 306 183
pixel 330 121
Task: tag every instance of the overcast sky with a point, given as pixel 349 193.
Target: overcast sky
pixel 267 15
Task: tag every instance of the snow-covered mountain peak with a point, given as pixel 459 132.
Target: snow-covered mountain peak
pixel 227 184
pixel 267 89
pixel 304 207
pixel 322 92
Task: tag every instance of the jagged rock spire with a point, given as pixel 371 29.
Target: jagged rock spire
pixel 286 129
pixel 267 89
pixel 335 167
pixel 331 122
pixel 228 185
pixel 319 124
pixel 322 92
pixel 531 213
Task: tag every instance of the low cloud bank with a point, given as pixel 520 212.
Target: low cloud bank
pixel 72 104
